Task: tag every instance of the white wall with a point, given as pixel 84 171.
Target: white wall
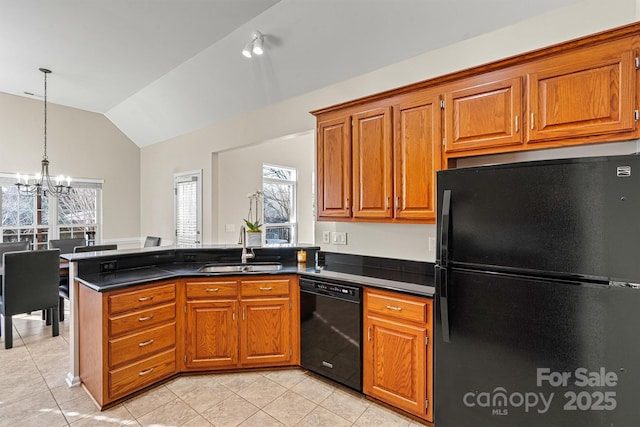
pixel 80 144
pixel 194 150
pixel 240 173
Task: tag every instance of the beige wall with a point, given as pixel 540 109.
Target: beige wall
pixel 240 173
pixel 197 149
pixel 80 144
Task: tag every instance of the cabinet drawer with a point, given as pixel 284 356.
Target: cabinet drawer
pixel 134 300
pixel 415 310
pixel 141 319
pixel 212 289
pixel 132 377
pixel 142 344
pixel 252 288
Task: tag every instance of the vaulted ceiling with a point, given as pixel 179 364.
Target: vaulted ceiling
pixel 162 68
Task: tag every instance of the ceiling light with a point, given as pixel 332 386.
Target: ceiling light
pixel 255 46
pixel 42 184
pixel 247 50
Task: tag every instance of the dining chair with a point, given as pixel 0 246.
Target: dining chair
pixel 30 282
pixel 66 246
pixel 63 291
pixel 13 247
pixel 152 241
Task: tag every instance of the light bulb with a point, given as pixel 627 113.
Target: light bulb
pixel 247 50
pixel 257 46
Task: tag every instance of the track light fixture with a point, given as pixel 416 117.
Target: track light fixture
pixel 255 46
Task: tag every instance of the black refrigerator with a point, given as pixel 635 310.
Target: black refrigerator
pixel 537 294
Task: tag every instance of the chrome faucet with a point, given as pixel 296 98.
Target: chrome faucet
pixel 243 239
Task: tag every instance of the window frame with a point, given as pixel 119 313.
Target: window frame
pixel 183 177
pixel 52 228
pixel 292 224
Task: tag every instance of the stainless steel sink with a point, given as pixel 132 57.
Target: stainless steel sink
pixel 240 268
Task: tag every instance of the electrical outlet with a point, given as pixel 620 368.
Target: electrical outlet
pixel 229 228
pixel 326 237
pixel 339 238
pixel 432 244
pixel 108 266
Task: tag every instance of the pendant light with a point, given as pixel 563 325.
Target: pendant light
pixel 42 184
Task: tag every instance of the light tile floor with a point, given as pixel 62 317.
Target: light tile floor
pixel 33 392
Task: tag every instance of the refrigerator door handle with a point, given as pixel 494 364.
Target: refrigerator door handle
pixel 444 231
pixel 442 288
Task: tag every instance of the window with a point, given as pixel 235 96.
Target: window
pixel 279 191
pixel 78 214
pixel 38 219
pixel 188 207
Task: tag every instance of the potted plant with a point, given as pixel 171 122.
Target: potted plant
pixel 252 221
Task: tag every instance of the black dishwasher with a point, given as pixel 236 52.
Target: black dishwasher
pixel 331 331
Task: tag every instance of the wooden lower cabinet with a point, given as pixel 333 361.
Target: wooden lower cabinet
pixel 212 334
pixel 397 352
pixel 241 322
pixel 127 339
pixel 135 337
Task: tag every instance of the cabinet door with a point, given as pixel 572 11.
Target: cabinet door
pixel 372 168
pixel 334 168
pixel 417 155
pixel 211 334
pixel 483 114
pixel 265 331
pixel 582 94
pixel 394 364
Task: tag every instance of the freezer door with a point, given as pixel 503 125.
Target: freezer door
pixel 529 352
pixel 576 218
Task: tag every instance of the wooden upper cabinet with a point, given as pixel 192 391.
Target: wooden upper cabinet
pixel 483 114
pixel 417 121
pixel 334 168
pixel 372 164
pixel 583 93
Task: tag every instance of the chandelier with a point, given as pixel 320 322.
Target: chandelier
pixel 42 184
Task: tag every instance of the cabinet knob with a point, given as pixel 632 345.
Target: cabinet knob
pixel 145 343
pixel 394 308
pixel 142 319
pixel 212 289
pixel 149 298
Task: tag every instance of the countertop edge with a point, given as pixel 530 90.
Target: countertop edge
pixel 154 274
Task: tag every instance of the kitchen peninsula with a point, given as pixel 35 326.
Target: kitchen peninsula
pixel 142 315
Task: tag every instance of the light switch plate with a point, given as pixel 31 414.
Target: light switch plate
pixel 339 238
pixel 326 237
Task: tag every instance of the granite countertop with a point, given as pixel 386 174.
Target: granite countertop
pixel 103 282
pixel 374 282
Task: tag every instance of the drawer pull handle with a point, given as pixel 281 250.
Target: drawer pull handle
pixel 143 373
pixel 146 343
pixel 268 288
pixel 142 319
pixel 145 298
pixel 212 289
pixel 394 308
